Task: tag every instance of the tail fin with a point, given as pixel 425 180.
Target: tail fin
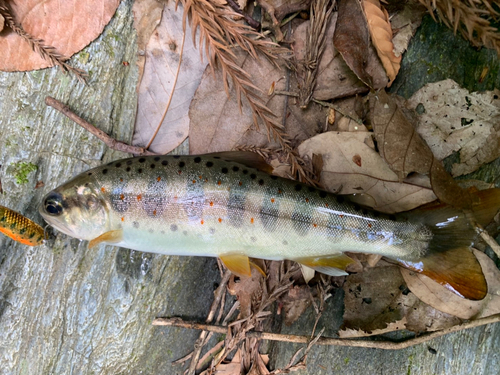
pixel 449 260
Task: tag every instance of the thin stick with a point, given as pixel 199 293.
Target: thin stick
pixel 387 345
pixel 213 309
pixel 488 239
pixel 110 142
pixel 330 105
pixel 171 94
pixel 255 24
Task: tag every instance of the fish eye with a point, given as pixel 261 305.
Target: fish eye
pixel 53 204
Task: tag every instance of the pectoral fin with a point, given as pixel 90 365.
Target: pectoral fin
pixel 237 263
pixel 113 236
pixel 333 265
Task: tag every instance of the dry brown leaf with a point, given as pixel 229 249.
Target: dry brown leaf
pixel 296 302
pixel 68 26
pixel 442 299
pixel 352 39
pixel 248 290
pixel 381 33
pixel 157 84
pixel 373 178
pixel 335 79
pixel 453 119
pixel 405 151
pixel 391 327
pixel 218 125
pixel 404 25
pixel 231 368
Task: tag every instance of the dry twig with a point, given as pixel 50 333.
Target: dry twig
pixel 48 53
pixel 384 344
pixel 110 142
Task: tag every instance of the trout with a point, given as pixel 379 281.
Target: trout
pixel 20 228
pixel 227 205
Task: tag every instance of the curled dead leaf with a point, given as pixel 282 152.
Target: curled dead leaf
pixel 381 33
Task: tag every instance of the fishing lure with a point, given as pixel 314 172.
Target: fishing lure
pixel 20 228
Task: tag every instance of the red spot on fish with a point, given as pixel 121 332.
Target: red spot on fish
pixel 121 179
pixel 122 197
pixel 103 189
pixel 211 204
pixel 123 219
pixel 220 220
pixel 240 183
pixel 326 204
pixel 369 225
pixel 315 225
pixel 307 200
pixel 194 181
pixel 154 212
pixel 202 222
pixel 200 177
pixel 219 182
pixel 251 220
pixel 179 171
pixel 158 179
pixel 206 179
pixel 279 191
pixel 139 197
pixel 341 215
pixel 272 200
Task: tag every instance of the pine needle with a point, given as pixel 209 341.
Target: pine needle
pixel 473 18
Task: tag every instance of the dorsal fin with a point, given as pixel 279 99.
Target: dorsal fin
pixel 250 159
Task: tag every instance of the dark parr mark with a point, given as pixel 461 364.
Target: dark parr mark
pixel 236 207
pixel 269 211
pixel 135 224
pixel 301 219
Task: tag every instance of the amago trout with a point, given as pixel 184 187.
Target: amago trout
pixel 224 205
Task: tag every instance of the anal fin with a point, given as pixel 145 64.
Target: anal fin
pixel 333 265
pixel 113 236
pixel 237 263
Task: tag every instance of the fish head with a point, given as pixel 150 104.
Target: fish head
pixel 77 209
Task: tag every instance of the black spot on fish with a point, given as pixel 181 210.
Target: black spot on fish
pixel 173 228
pixel 245 171
pixel 177 156
pixel 128 169
pixel 197 159
pixel 224 170
pixel 216 157
pixel 340 198
pixel 89 174
pixel 298 187
pixel 253 176
pixel 152 166
pixel 261 182
pixel 164 162
pixel 273 177
pixel 236 169
pixel 142 160
pixel 157 158
pixel 181 164
pixel 322 194
pixel 22 231
pixel 118 165
pixel 104 171
pixel 139 170
pixel 209 164
pixel 311 189
pixel 135 224
pixel 285 242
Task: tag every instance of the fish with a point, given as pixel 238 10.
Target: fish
pixel 20 228
pixel 228 205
